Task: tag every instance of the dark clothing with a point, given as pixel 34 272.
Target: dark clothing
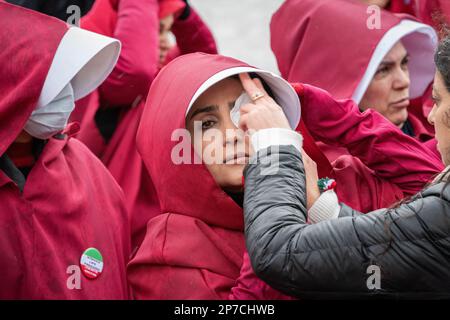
pixel 408 129
pixel 409 244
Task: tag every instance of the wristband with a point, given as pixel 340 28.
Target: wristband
pixel 326 184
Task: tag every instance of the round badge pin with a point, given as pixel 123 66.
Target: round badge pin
pixel 91 263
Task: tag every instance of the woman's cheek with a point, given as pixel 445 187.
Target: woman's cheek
pixel 382 101
pixel 376 95
pixel 446 118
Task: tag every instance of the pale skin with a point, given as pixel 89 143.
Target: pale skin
pixel 440 117
pixel 388 92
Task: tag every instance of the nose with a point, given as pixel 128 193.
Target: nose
pixel 232 134
pixel 402 80
pixel 431 116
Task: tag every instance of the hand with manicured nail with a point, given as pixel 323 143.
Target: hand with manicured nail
pixel 263 112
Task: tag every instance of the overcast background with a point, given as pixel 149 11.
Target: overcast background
pixel 241 28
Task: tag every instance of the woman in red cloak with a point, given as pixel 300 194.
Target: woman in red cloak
pixel 64 230
pixel 330 45
pixel 195 248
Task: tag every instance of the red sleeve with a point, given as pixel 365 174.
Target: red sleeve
pixel 138 30
pixel 250 287
pixel 368 136
pixel 193 35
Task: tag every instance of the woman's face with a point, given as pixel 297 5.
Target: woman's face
pixel 440 117
pixel 388 93
pixel 220 139
pixel 165 24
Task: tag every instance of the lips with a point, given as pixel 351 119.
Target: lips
pixel 402 103
pixel 239 158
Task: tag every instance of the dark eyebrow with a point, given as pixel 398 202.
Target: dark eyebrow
pixel 210 108
pixel 386 64
pixel 391 63
pixel 204 109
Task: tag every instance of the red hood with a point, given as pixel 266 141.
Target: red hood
pixel 29 42
pixel 186 188
pixel 339 61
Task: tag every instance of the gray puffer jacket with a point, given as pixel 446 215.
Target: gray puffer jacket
pixel 397 253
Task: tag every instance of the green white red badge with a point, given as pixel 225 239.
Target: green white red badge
pixel 91 263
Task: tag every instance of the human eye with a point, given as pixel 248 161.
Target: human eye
pixel 208 123
pixel 436 100
pixel 382 71
pixel 405 61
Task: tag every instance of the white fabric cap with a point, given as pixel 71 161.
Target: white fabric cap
pixel 420 40
pixel 84 59
pixel 283 92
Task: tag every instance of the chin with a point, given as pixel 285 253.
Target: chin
pixel 446 160
pixel 232 180
pixel 233 186
pixel 400 120
pixel 445 154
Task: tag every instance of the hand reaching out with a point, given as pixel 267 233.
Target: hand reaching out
pixel 263 112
